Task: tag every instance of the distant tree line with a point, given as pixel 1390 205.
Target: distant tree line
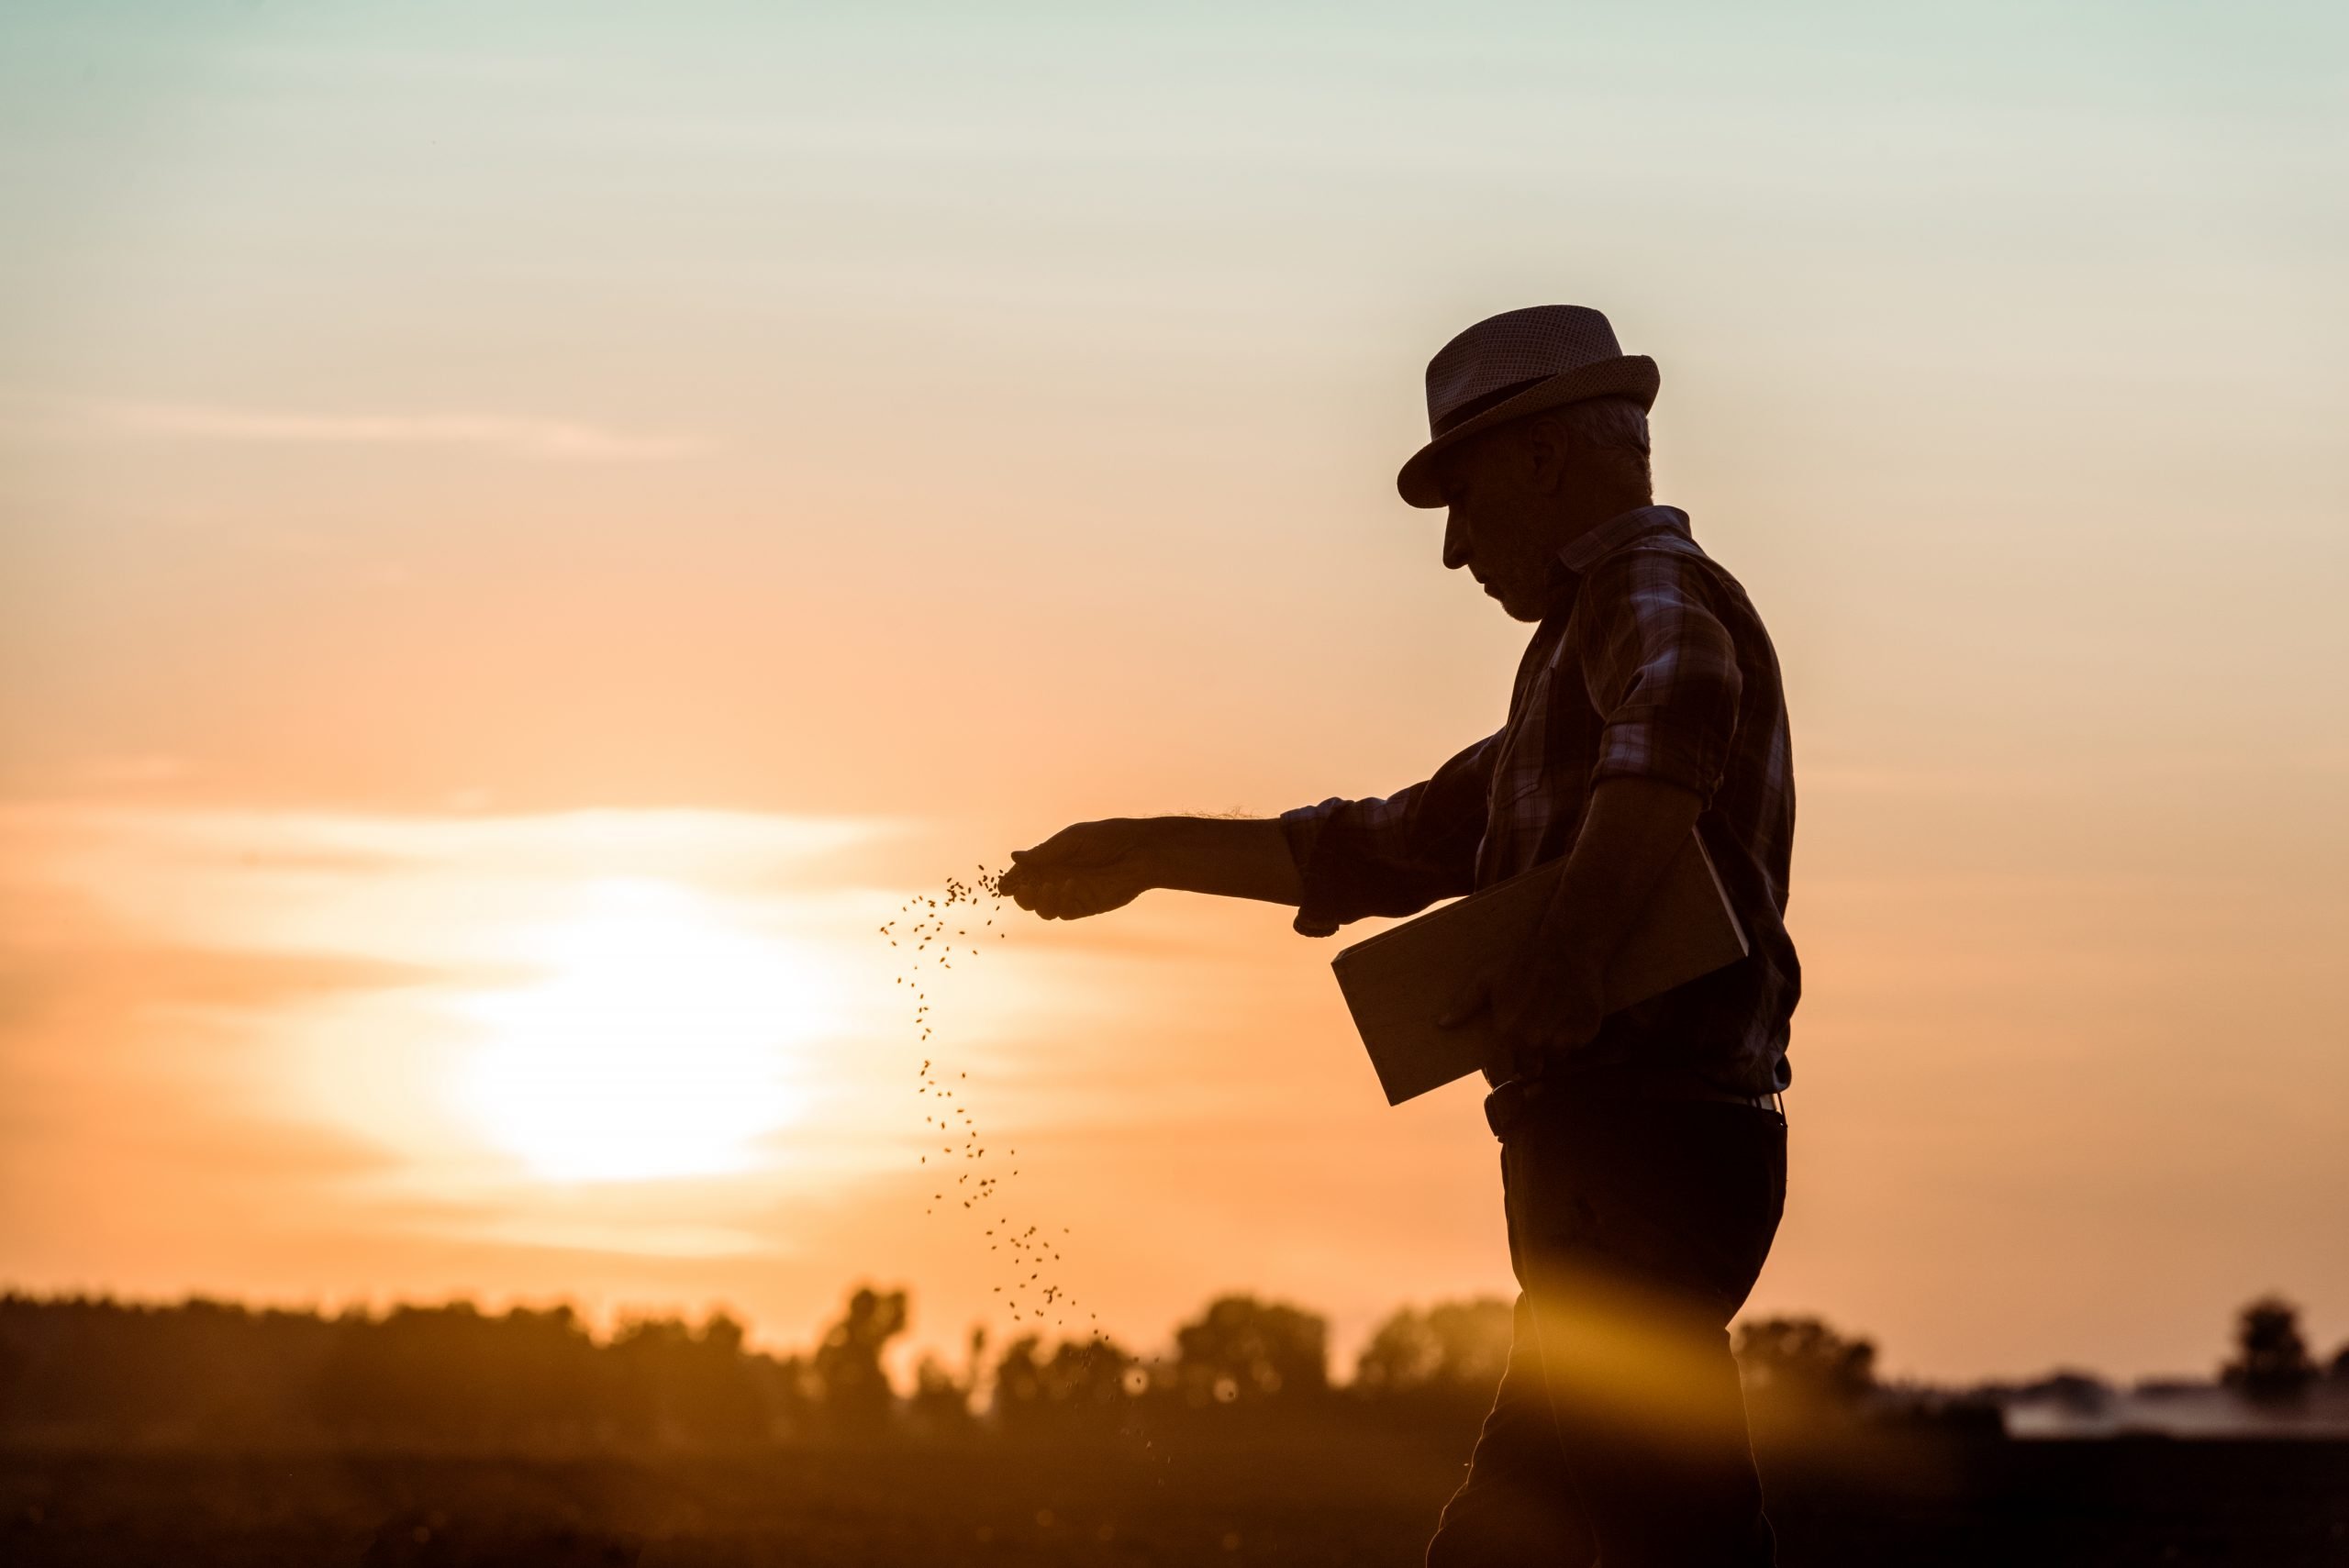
pixel 454 1376
pixel 448 1375
pixel 2271 1374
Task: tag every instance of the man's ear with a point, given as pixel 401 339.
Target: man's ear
pixel 1547 453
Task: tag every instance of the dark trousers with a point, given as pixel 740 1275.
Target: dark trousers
pixel 1636 1227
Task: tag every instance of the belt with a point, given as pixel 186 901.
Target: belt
pixel 1506 1105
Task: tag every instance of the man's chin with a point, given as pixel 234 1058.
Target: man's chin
pixel 1516 606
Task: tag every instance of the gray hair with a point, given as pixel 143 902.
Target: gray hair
pixel 1607 438
pixel 1614 432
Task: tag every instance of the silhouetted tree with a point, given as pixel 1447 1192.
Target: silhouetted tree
pixel 1242 1348
pixel 941 1402
pixel 1083 1383
pixel 848 1362
pixel 1455 1349
pixel 680 1384
pixel 14 1364
pixel 2272 1364
pixel 2337 1370
pixel 198 1368
pixel 795 1397
pixel 1796 1367
pixel 453 1375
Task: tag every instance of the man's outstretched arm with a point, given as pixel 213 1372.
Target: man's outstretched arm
pixel 1335 861
pixel 1094 867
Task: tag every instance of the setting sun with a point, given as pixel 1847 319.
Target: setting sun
pixel 656 1044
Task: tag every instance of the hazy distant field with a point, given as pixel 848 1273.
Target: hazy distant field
pixel 1363 1498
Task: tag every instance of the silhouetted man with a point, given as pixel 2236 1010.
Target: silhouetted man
pixel 1642 1157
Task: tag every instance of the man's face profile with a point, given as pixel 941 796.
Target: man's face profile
pixel 1503 489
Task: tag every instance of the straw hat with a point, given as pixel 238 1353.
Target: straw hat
pixel 1516 363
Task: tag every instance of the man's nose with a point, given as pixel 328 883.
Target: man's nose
pixel 1455 541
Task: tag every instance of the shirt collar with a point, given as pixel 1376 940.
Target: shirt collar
pixel 1585 550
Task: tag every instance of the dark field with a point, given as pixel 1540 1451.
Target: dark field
pixel 1362 1497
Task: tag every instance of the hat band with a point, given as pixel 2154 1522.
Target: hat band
pixel 1475 406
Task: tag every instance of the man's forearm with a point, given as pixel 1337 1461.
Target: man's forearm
pixel 1241 857
pixel 1633 830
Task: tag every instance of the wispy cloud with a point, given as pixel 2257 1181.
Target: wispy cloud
pixel 560 440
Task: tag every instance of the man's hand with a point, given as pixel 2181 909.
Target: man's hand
pixel 1542 1001
pixel 1549 996
pixel 1088 869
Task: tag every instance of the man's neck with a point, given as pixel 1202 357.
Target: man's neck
pixel 1574 522
pixel 1562 579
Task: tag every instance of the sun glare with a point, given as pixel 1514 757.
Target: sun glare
pixel 656 1045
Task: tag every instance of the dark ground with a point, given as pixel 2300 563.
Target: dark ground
pixel 1331 1497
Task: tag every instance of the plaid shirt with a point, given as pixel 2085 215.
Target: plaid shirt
pixel 1656 667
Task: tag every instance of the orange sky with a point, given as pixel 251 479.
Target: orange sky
pixel 504 522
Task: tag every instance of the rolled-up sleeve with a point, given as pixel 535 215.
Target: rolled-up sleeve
pixel 1394 855
pixel 1661 673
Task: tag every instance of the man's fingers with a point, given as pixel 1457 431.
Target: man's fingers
pixel 1071 847
pixel 1036 892
pixel 1510 1016
pixel 1472 1001
pixel 1520 1035
pixel 1068 898
pixel 1077 897
pixel 1021 879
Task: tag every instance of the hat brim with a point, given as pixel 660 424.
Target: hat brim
pixel 1631 375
